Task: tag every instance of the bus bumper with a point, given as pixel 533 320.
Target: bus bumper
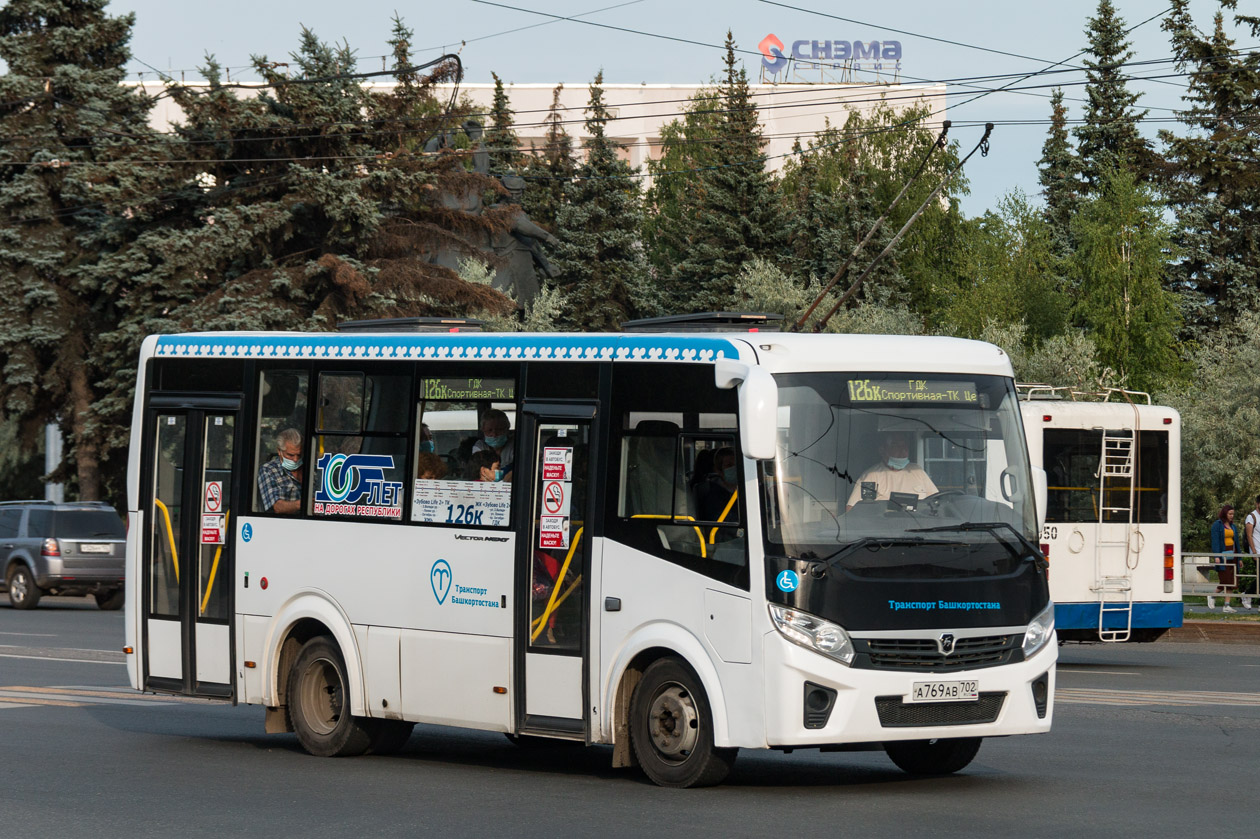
pixel 869 705
pixel 1159 614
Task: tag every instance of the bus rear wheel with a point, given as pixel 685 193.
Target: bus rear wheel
pixel 671 728
pixel 933 757
pixel 319 703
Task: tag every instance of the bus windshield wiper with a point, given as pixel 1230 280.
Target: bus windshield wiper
pixel 880 542
pixel 990 526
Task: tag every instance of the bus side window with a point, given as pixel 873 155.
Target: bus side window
pixel 282 400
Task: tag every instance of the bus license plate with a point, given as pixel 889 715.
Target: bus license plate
pixel 945 691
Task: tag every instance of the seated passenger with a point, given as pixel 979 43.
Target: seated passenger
pixel 496 436
pixel 426 438
pixel 280 479
pixel 893 473
pixel 429 466
pixel 720 488
pixel 483 466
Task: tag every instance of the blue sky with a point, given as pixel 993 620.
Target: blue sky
pixel 176 36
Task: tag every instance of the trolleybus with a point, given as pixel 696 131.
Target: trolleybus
pixel 692 546
pixel 1112 530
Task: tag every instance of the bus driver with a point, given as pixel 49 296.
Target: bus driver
pixel 280 479
pixel 893 473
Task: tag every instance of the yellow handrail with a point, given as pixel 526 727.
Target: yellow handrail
pixel 214 567
pixel 551 604
pixel 170 535
pixel 576 582
pixel 725 511
pixel 699 532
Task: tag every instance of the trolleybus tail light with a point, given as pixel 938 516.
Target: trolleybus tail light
pixel 1168 567
pixel 1045 551
pixel 50 548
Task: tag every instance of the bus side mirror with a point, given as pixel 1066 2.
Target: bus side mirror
pixel 758 406
pixel 1041 495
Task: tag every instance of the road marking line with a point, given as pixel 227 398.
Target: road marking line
pixel 32 700
pixel 51 658
pixel 1182 698
pixel 31 634
pixel 104 696
pixel 1099 672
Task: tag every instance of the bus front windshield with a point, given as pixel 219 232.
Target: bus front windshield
pixel 874 471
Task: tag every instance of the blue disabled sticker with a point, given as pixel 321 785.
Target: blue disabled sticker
pixel 247 532
pixel 787 581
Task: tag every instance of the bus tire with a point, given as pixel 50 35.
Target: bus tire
pixel 110 600
pixel 319 704
pixel 671 728
pixel 23 593
pixel 933 757
pixel 389 736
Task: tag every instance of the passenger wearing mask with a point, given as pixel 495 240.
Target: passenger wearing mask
pixel 496 436
pixel 280 479
pixel 484 466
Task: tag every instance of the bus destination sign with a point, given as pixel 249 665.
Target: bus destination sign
pixel 913 390
pixel 469 390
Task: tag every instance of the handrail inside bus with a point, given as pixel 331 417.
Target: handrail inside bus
pixel 560 601
pixel 170 535
pixel 214 568
pixel 551 603
pixel 699 532
pixel 725 511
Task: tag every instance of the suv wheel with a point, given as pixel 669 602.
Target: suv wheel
pixel 109 600
pixel 23 593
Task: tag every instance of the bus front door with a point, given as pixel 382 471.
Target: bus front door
pixel 554 632
pixel 187 577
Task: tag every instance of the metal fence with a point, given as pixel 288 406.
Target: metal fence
pixel 1200 575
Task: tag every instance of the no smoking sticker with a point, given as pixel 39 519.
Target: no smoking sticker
pixel 214 497
pixel 555 498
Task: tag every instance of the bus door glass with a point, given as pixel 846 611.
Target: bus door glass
pixel 559 549
pixel 187 570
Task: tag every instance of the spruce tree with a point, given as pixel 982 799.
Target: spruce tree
pixel 501 137
pixel 734 212
pixel 1108 138
pixel 81 175
pixel 550 169
pixel 1212 180
pixel 600 257
pixel 1058 174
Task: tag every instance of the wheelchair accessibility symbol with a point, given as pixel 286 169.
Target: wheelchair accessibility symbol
pixel 787 581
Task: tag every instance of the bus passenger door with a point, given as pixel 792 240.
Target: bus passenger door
pixel 553 634
pixel 187 568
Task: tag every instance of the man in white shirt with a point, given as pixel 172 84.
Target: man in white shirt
pixel 893 473
pixel 1253 540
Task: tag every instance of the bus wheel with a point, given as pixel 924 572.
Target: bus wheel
pixel 671 728
pixel 933 757
pixel 319 704
pixel 23 593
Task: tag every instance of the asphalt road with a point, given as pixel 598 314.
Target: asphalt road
pixel 1149 740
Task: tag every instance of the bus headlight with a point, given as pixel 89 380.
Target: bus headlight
pixel 813 633
pixel 1040 631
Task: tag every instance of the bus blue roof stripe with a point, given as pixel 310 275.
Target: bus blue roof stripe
pixel 480 346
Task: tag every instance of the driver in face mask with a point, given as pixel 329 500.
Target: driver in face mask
pixel 893 473
pixel 280 479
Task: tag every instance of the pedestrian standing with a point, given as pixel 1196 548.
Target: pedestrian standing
pixel 1252 527
pixel 1226 541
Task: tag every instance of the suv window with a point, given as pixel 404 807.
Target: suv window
pixel 88 524
pixel 10 518
pixel 38 524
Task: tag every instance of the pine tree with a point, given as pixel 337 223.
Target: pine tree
pixel 501 139
pixel 1118 267
pixel 600 257
pixel 550 169
pixel 733 209
pixel 1213 182
pixel 1108 138
pixel 73 189
pixel 1058 174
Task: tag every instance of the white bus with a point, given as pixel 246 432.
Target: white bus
pixel 1112 530
pixel 691 556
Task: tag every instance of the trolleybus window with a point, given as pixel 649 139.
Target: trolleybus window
pixel 1071 457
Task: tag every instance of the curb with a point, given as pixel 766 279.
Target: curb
pixel 1213 632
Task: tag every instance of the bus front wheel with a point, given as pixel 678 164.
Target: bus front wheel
pixel 933 757
pixel 671 728
pixel 319 703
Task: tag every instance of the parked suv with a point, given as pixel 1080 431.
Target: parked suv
pixel 73 548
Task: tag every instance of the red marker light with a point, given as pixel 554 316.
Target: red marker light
pixel 1046 417
pixel 1167 420
pixel 263 583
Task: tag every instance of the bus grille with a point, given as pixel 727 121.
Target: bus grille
pixel 921 654
pixel 894 713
